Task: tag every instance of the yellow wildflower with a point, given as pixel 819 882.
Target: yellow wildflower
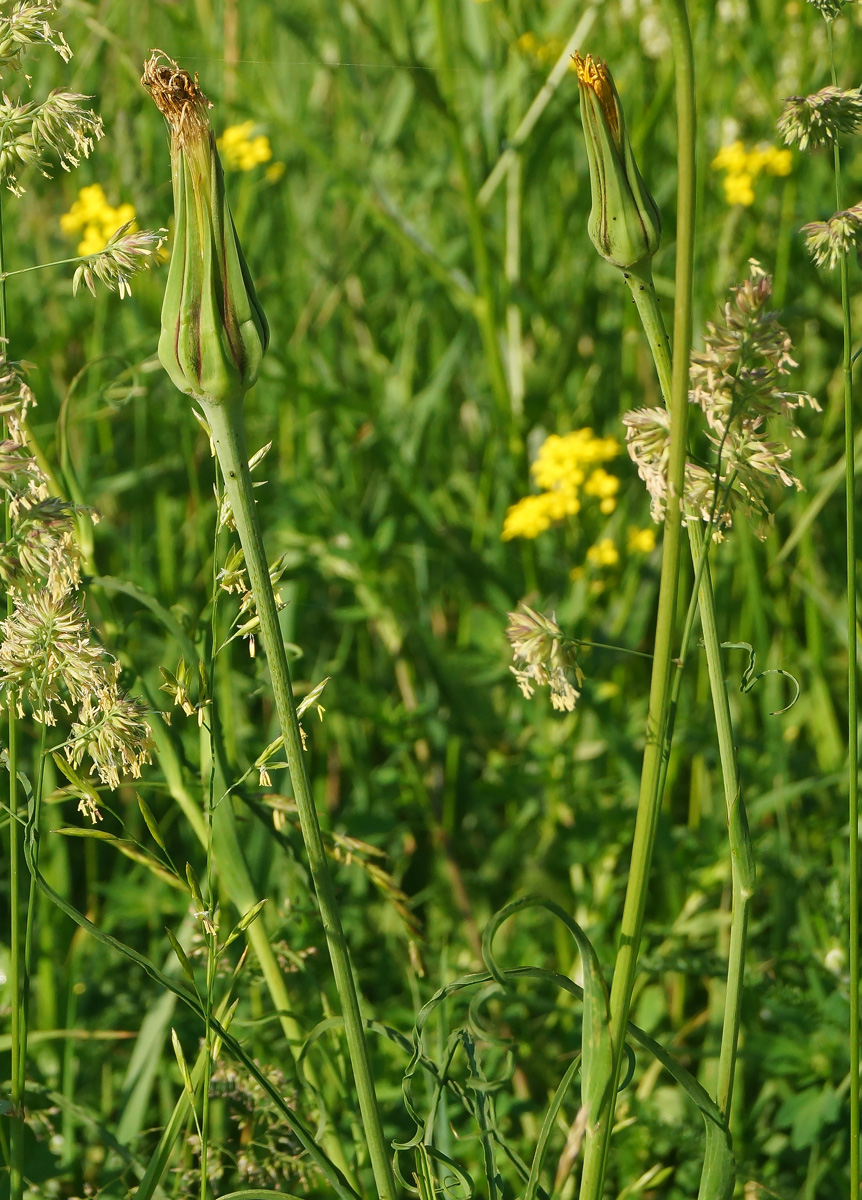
pixel 241 149
pixel 743 167
pixel 95 218
pixel 732 158
pixel 738 189
pixel 641 541
pixel 528 518
pixel 274 172
pixel 560 468
pixel 605 486
pixel 604 553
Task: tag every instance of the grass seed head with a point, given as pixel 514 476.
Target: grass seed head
pixel 820 119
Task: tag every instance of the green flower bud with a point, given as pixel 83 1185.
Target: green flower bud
pixel 624 224
pixel 214 332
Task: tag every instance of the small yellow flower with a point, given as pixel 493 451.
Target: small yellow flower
pixel 95 218
pixel 732 158
pixel 274 172
pixel 604 553
pixel 241 149
pixel 641 541
pixel 738 189
pixel 743 167
pixel 605 487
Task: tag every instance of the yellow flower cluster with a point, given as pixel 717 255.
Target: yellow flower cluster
pixel 541 52
pixel 604 553
pixel 565 467
pixel 641 541
pixel 241 149
pixel 742 167
pixel 93 217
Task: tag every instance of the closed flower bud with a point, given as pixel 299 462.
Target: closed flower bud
pixel 214 332
pixel 624 224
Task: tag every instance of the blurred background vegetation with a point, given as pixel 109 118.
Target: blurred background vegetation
pixel 427 334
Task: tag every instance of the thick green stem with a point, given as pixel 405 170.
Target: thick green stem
pixel 226 426
pixel 852 697
pixel 649 800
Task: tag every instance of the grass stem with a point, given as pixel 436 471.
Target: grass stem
pixel 852 696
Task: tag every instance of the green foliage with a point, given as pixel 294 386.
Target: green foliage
pixel 394 459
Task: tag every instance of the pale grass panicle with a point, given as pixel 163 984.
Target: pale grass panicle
pixel 829 241
pixel 29 24
pixel 46 655
pixel 113 730
pixel 32 131
pixel 546 657
pixel 737 383
pixel 127 252
pixel 820 119
pixel 746 352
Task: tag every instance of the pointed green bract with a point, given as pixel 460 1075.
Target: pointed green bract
pixel 214 332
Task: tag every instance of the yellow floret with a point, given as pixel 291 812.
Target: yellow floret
pixel 604 553
pixel 641 541
pixel 738 189
pixel 528 518
pixel 93 240
pixel 601 484
pixel 780 162
pixel 731 158
pixel 240 150
pixel 91 200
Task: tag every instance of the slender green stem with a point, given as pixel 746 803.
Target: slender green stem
pixel 32 834
pixel 226 426
pixel 16 1120
pixel 649 800
pixel 742 865
pixel 852 697
pixel 741 858
pixel 210 927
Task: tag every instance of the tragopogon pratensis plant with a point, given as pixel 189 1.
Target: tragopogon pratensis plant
pixel 737 384
pixel 214 335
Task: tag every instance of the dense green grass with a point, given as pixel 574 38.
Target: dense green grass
pixel 395 457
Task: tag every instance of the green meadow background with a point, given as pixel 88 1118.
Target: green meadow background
pixel 389 281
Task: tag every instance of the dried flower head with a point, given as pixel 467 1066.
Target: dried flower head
pixel 214 332
pixel 549 656
pixel 829 241
pixel 28 24
pixel 820 119
pixel 126 253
